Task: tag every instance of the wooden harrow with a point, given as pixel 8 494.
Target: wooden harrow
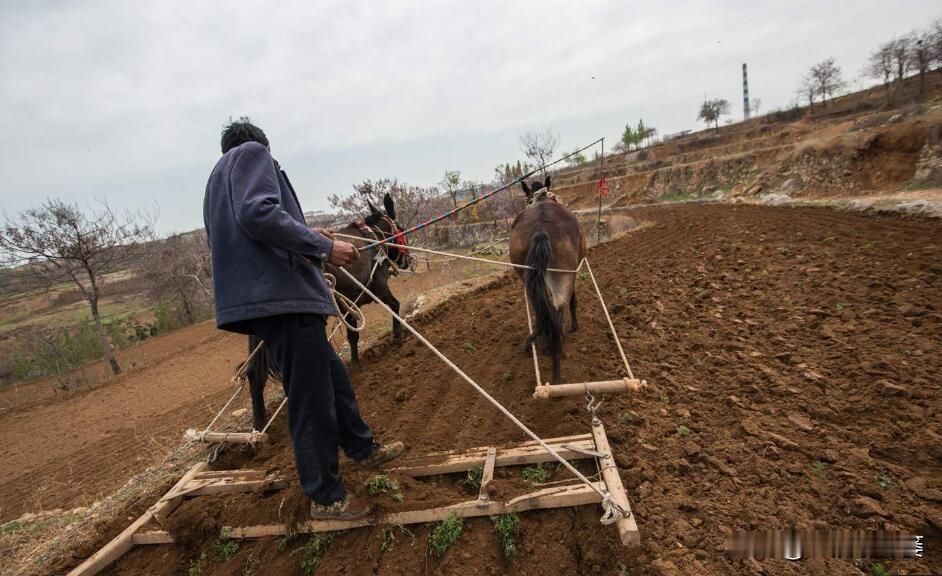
pixel 198 481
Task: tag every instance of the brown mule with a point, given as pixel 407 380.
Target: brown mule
pixel 547 235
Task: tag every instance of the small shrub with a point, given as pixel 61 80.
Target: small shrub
pixel 313 551
pixel 536 474
pixel 473 479
pixel 286 539
pixel 469 346
pixel 445 534
pixel 879 570
pixel 382 484
pixel 388 537
pixel 226 549
pixel 820 468
pixel 885 482
pixel 683 430
pixel 508 529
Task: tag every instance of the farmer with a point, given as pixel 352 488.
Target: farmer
pixel 268 282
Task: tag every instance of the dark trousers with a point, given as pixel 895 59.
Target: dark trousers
pixel 322 408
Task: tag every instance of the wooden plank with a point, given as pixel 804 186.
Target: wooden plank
pixel 603 387
pixel 230 437
pixel 487 476
pixel 214 486
pixel 442 454
pixel 557 497
pixel 124 541
pixel 152 537
pixel 244 474
pixel 505 457
pixel 627 525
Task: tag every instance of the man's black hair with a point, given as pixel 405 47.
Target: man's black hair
pixel 239 132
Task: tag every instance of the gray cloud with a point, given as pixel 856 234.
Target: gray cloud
pixel 125 100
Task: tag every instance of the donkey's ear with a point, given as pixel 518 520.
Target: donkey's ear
pixel 526 189
pixel 372 208
pixel 389 206
pixel 546 183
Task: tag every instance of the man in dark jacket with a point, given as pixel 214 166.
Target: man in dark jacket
pixel 268 282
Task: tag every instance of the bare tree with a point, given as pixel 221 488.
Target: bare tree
pixel 880 65
pixel 539 146
pixel 712 110
pixel 58 242
pixel 178 271
pixel 935 34
pixel 921 56
pixel 826 76
pixel 807 88
pixel 754 106
pixel 452 184
pixel 901 53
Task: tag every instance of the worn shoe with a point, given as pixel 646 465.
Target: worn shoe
pixel 339 510
pixel 382 453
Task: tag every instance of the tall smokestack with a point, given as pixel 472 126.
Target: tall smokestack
pixel 745 93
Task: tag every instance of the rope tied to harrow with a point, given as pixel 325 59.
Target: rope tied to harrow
pixel 608 505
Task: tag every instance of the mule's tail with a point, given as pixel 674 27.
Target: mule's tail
pixel 549 320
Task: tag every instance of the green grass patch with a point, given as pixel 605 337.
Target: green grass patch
pixel 879 570
pixel 11 527
pixel 445 534
pixel 313 551
pixel 683 430
pixel 382 484
pixel 473 479
pixel 507 527
pixel 820 468
pixel 538 474
pixel 226 549
pixel 388 537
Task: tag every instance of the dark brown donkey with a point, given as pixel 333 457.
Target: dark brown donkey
pixel 547 235
pixel 378 225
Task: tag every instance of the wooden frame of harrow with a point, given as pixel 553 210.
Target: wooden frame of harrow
pixel 198 481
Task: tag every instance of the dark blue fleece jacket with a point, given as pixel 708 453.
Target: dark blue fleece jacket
pixel 260 244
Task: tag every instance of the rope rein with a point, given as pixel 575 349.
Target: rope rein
pixel 454 256
pixel 475 201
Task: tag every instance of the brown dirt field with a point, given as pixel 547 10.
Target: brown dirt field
pixel 69 450
pixel 801 348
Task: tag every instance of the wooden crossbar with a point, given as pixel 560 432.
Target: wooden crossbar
pixel 231 437
pixel 524 453
pixel 544 391
pixel 627 525
pixel 557 497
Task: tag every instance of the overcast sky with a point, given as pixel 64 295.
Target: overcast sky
pixel 124 101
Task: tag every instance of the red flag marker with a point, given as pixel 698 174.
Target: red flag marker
pixel 603 188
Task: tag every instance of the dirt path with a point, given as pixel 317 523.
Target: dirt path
pixel 71 450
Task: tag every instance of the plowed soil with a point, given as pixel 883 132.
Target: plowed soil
pixel 794 356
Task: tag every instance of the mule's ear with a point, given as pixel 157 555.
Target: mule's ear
pixel 526 189
pixel 389 206
pixel 546 183
pixel 372 208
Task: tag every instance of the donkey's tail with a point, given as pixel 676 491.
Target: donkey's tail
pixel 549 320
